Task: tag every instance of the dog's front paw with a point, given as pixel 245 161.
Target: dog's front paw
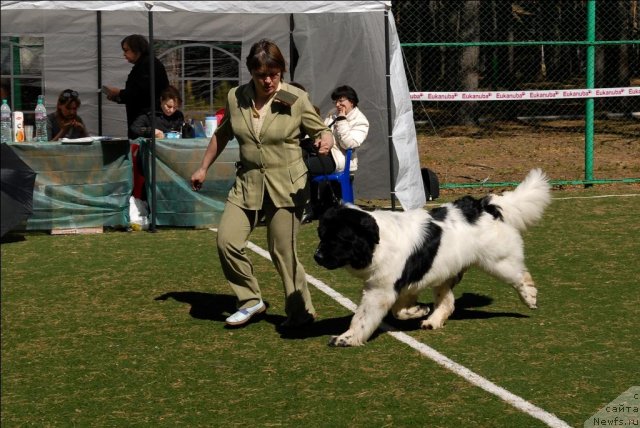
pixel 343 341
pixel 413 312
pixel 431 324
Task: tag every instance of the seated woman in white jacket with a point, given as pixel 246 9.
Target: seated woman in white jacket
pixel 350 128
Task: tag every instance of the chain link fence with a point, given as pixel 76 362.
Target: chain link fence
pixel 454 46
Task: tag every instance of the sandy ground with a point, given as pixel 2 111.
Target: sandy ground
pixel 505 152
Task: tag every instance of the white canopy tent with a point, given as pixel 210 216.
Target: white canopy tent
pixel 338 42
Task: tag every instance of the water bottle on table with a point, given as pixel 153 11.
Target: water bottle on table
pixel 41 121
pixel 198 130
pixel 6 123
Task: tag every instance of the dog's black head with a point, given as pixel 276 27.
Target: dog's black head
pixel 348 237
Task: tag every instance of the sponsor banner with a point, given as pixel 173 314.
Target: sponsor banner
pixel 553 94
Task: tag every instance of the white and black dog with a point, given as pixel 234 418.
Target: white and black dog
pixel 399 254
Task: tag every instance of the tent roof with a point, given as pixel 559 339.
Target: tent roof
pixel 269 7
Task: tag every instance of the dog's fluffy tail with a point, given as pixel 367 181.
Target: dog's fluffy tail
pixel 524 206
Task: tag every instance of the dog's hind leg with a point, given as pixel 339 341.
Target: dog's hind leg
pixel 527 290
pixel 444 304
pixel 374 306
pixel 514 272
pixel 405 308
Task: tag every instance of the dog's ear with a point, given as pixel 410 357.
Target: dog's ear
pixel 356 232
pixel 366 235
pixel 370 227
pixel 363 224
pixel 367 238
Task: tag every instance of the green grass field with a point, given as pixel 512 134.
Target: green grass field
pixel 127 329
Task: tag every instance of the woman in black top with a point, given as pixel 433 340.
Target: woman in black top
pixel 136 94
pixel 65 122
pixel 168 119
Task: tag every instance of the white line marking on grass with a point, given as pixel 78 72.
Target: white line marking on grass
pixel 595 197
pixel 473 378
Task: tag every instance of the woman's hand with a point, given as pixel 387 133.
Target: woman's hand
pixel 159 133
pixel 324 143
pixel 197 178
pixel 72 124
pixel 112 93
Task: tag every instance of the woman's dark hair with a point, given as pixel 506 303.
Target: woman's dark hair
pixel 67 96
pixel 266 53
pixel 137 43
pixel 345 91
pixel 171 93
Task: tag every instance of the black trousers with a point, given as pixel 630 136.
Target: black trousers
pixel 317 165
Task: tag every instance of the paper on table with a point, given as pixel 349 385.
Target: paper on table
pixel 84 140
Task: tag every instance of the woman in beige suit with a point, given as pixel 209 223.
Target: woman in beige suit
pixel 266 116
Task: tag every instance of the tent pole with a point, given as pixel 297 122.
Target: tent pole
pixel 99 25
pixel 152 83
pixel 291 48
pixel 392 184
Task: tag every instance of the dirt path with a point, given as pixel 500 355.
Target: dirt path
pixel 505 152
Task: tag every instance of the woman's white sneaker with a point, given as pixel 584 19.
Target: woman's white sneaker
pixel 244 315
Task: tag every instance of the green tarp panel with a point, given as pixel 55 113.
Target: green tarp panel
pixel 79 185
pixel 176 160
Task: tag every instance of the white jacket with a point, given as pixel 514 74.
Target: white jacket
pixel 348 134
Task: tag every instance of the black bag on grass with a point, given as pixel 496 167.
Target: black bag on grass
pixel 431 184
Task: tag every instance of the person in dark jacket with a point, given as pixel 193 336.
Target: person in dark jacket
pixel 168 119
pixel 65 122
pixel 136 95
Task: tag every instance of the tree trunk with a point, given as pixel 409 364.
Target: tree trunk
pixel 469 75
pixel 614 66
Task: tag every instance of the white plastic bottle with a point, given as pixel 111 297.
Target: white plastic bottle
pixel 6 123
pixel 41 121
pixel 211 123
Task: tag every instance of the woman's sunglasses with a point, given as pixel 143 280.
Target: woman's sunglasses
pixel 69 94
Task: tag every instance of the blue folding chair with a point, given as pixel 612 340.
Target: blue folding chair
pixel 342 177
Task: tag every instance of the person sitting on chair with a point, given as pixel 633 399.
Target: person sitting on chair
pixel 350 128
pixel 168 119
pixel 65 122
